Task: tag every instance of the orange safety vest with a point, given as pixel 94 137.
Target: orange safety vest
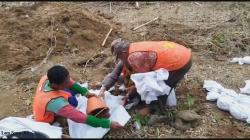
pixel 41 100
pixel 170 55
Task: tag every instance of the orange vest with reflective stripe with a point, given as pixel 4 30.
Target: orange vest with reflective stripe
pixel 170 55
pixel 41 100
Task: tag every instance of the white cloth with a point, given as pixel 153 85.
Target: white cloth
pixel 117 112
pixel 150 85
pixel 241 60
pixel 17 124
pixel 228 100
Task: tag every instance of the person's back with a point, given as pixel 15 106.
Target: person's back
pixel 168 55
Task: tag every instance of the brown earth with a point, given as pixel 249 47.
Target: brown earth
pixel 215 31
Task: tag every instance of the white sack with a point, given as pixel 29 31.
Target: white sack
pixel 150 85
pixel 17 124
pixel 211 85
pixel 240 60
pixel 239 111
pixel 171 100
pixel 246 89
pixel 228 100
pixel 224 102
pixel 212 96
pixel 117 112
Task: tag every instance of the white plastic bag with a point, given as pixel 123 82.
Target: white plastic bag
pixel 171 100
pixel 239 112
pixel 244 100
pixel 229 92
pixel 211 85
pixel 17 124
pixel 246 89
pixel 240 60
pixel 224 102
pixel 246 60
pixel 212 96
pixel 150 85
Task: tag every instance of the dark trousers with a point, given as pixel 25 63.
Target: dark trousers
pixel 174 77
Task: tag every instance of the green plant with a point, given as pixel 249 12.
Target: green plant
pixel 142 120
pixel 190 101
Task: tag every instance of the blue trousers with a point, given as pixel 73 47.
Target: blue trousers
pixel 72 99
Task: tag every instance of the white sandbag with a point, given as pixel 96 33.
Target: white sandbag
pixel 246 89
pixel 17 124
pixel 244 100
pixel 171 100
pixel 235 60
pixel 246 60
pixel 224 102
pixel 240 60
pixel 212 96
pixel 239 111
pixel 228 100
pixel 211 85
pixel 229 92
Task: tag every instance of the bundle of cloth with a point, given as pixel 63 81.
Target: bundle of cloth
pixel 150 85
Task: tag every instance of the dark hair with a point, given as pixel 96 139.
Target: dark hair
pixel 57 74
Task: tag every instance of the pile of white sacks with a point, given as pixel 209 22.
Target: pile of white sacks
pixel 228 100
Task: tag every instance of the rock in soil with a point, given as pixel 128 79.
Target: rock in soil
pixel 186 119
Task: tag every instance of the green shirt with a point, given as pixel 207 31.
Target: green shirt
pixel 56 104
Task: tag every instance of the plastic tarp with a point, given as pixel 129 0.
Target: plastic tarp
pixel 17 124
pixel 150 85
pixel 117 112
pixel 228 100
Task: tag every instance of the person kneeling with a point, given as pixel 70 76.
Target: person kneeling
pixel 55 96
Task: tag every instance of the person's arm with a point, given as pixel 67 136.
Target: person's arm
pixel 61 107
pixel 70 112
pixel 77 87
pixel 112 77
pixel 142 61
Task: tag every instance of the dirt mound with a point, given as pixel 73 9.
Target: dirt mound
pixel 27 33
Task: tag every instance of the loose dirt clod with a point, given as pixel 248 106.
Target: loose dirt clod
pixel 186 119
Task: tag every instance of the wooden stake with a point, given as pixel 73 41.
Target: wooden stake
pixel 137 5
pixel 197 3
pixel 145 23
pixel 104 41
pixel 110 7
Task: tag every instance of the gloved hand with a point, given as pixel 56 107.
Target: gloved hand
pixel 102 92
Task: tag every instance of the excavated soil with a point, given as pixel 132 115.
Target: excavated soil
pixel 215 31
